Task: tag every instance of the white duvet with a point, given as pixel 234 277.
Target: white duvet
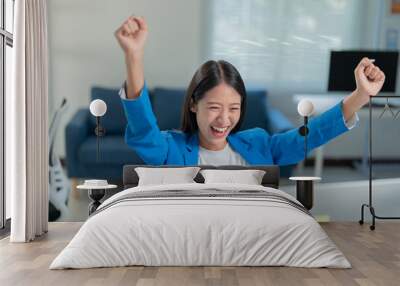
pixel 200 231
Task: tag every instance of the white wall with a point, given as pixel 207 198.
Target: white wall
pixel 84 52
pixel 379 20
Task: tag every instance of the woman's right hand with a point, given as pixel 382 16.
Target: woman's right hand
pixel 132 35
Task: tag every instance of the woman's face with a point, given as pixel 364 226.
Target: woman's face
pixel 217 113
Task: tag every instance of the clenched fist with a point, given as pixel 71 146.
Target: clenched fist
pixel 132 35
pixel 369 78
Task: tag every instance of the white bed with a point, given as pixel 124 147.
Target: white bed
pixel 185 230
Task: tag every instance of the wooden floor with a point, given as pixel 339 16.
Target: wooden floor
pixel 374 255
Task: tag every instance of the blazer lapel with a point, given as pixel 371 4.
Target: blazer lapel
pixel 192 150
pixel 248 153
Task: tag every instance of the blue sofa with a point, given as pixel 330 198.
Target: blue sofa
pixel 81 143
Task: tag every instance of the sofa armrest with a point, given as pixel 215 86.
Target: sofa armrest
pixel 277 121
pixel 76 131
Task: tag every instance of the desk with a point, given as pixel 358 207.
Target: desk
pixel 322 102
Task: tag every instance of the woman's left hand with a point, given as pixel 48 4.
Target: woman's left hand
pixel 369 78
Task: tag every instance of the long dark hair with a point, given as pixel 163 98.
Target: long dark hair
pixel 209 75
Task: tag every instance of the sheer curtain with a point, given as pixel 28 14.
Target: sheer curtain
pixel 284 44
pixel 26 117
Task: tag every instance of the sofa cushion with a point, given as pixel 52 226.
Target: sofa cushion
pixel 255 110
pixel 167 106
pixel 113 150
pixel 114 120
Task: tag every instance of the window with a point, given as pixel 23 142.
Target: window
pixel 6 43
pixel 284 45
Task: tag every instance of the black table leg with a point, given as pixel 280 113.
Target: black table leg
pixel 305 193
pixel 95 195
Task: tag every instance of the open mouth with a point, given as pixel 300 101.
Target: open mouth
pixel 219 131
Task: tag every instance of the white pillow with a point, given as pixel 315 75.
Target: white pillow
pixel 164 176
pixel 249 177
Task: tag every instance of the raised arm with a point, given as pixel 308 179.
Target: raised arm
pixel 287 148
pixel 131 36
pixel 142 133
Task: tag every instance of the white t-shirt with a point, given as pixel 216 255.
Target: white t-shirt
pixel 226 156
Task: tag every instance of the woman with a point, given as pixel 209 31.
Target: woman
pixel 214 109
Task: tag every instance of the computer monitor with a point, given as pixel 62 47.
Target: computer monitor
pixel 343 63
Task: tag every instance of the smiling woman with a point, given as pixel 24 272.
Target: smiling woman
pixel 213 112
pixel 215 104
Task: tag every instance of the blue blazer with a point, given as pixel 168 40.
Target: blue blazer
pixel 255 145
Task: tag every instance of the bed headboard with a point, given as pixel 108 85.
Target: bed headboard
pixel 270 179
